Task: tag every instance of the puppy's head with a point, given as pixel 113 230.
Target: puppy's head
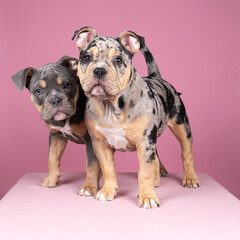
pixel 54 88
pixel 105 63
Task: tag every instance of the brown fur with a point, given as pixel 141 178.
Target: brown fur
pixel 42 84
pixel 91 184
pixel 38 107
pixel 146 177
pixel 56 150
pixel 110 186
pixel 190 177
pixel 59 80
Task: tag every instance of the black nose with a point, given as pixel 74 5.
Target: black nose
pixel 56 102
pixel 99 72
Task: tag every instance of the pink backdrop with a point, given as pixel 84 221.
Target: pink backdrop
pixel 196 45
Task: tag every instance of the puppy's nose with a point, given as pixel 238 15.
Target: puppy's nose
pixel 56 102
pixel 99 72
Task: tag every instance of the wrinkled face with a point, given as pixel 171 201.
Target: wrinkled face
pixel 54 92
pixel 104 68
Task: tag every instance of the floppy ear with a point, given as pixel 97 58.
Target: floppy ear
pixel 23 77
pixel 84 36
pixel 131 41
pixel 68 62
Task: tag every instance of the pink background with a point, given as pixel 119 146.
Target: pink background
pixel 195 43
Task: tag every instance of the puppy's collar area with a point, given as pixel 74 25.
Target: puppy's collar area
pixel 65 130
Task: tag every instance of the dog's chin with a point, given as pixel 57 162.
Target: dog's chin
pixel 59 116
pixel 98 92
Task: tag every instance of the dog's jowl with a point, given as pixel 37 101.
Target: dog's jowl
pixel 127 112
pixel 57 94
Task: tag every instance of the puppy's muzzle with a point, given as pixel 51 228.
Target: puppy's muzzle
pixel 99 73
pixel 57 106
pixel 56 102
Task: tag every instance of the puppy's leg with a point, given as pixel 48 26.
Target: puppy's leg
pixel 163 170
pixel 57 144
pixel 160 170
pixel 146 176
pixel 105 157
pixel 93 172
pixel 157 171
pixel 181 130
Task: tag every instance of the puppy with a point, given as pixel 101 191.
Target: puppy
pixel 57 94
pixel 126 112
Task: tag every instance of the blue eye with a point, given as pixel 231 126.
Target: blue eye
pixel 38 91
pixel 67 85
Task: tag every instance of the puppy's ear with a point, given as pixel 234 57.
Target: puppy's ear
pixel 68 62
pixel 23 77
pixel 131 41
pixel 84 36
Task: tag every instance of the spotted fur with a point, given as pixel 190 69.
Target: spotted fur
pixel 137 111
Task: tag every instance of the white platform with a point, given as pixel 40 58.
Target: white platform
pixel 29 211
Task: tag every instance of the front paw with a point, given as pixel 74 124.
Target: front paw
pixel 88 190
pixel 50 182
pixel 190 181
pixel 148 200
pixel 106 193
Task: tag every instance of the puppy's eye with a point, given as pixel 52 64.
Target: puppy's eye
pixel 87 58
pixel 118 60
pixel 67 85
pixel 38 91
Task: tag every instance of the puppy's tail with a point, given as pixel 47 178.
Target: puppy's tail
pixel 153 70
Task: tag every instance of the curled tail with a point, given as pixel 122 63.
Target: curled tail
pixel 153 70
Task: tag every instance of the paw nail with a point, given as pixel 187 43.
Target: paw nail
pixel 146 205
pixel 153 204
pixel 102 198
pixel 87 193
pixel 81 192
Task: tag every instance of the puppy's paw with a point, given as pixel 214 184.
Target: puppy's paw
pixel 148 201
pixel 106 194
pixel 50 182
pixel 88 190
pixel 190 181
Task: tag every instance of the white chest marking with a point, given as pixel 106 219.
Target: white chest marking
pixel 115 137
pixel 65 130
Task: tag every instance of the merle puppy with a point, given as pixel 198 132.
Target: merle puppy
pixel 127 112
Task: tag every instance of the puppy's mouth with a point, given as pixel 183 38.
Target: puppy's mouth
pixel 59 116
pixel 98 91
